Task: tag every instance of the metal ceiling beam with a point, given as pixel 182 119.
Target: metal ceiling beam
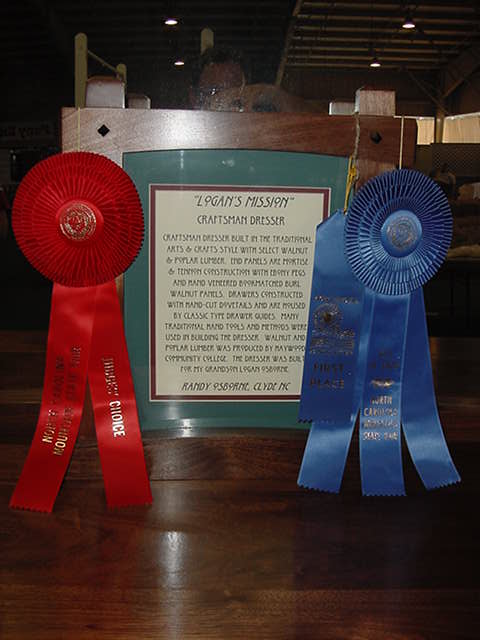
pixel 330 26
pixel 332 33
pixel 345 45
pixel 344 37
pixel 367 57
pixel 288 38
pixel 355 65
pixel 431 5
pixel 440 104
pixel 454 18
pixel 460 69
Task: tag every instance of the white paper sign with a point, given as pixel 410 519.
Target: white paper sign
pixel 230 277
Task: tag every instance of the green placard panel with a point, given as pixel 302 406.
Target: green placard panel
pixel 216 303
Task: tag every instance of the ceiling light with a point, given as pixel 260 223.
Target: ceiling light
pixel 408 23
pixel 179 62
pixel 375 62
pixel 171 21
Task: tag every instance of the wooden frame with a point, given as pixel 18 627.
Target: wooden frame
pixel 377 141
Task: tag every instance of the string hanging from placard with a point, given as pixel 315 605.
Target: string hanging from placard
pixel 352 171
pixel 78 128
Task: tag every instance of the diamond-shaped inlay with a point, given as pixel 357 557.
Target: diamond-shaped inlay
pixel 103 130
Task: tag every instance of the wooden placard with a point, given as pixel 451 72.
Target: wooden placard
pixel 379 144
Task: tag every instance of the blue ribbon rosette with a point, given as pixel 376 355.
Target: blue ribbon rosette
pixel 367 350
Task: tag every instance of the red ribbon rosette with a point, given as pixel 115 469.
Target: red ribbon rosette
pixel 78 219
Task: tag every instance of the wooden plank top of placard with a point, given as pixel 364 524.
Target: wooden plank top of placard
pixel 112 132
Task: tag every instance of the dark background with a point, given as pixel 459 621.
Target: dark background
pixel 319 51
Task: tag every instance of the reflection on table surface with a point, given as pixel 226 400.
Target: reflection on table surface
pixel 232 547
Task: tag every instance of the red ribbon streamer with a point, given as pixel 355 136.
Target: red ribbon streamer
pixel 85 337
pixel 114 406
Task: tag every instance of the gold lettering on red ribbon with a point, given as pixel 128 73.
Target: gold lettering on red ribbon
pixel 118 423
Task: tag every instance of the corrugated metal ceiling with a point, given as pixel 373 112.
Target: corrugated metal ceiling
pixel 272 34
pixel 347 34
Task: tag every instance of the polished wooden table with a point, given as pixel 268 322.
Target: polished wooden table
pixel 231 547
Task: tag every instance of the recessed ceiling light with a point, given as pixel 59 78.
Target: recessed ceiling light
pixel 171 21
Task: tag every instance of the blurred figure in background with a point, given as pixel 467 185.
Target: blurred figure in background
pixel 219 83
pixel 446 181
pixel 217 70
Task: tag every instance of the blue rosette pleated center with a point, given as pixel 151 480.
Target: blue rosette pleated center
pixel 398 231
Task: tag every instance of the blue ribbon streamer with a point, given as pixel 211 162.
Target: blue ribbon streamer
pixel 329 394
pixel 421 423
pixel 379 430
pixel 351 327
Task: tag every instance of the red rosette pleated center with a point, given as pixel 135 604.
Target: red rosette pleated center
pixel 78 219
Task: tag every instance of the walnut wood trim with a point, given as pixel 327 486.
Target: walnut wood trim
pixel 143 130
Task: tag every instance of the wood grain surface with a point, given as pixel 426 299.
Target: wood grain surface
pixel 231 547
pixel 376 139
